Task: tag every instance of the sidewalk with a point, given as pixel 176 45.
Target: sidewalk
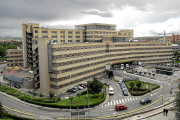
pixel 147 116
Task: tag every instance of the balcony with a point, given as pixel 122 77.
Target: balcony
pixel 29 51
pixel 29 36
pixel 36 75
pixel 29 56
pixel 36 61
pixel 29 46
pixel 36 82
pixel 28 41
pixel 34 55
pixel 30 60
pixel 36 68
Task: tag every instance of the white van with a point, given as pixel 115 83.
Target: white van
pixel 122 66
pixel 111 91
pixel 127 65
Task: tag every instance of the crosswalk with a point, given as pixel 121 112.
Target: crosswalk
pixel 120 101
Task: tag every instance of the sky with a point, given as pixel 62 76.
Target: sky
pixel 146 17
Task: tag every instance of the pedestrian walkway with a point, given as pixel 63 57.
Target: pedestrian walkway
pixel 147 116
pixel 119 101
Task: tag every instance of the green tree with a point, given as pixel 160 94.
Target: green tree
pixel 11 46
pixel 3 113
pixel 79 95
pixel 132 84
pixel 176 54
pixel 41 95
pixel 177 103
pixel 71 98
pixel 51 95
pixel 2 51
pixel 94 86
pixel 138 85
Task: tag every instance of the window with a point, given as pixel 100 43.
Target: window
pixel 77 40
pixel 70 40
pixel 34 41
pixel 65 70
pixel 70 32
pixel 62 49
pixel 44 31
pixel 65 63
pixel 77 36
pixel 70 36
pixel 60 72
pixel 71 63
pixel 81 47
pixel 67 48
pixel 53 31
pixel 36 36
pixel 44 36
pixel 54 36
pixel 59 64
pixel 77 32
pixel 67 55
pixel 60 79
pixel 36 31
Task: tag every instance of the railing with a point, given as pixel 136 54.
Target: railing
pixel 36 68
pixel 36 75
pixel 29 36
pixel 34 55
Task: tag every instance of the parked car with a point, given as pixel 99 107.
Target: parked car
pixel 71 90
pixel 84 83
pixel 120 81
pixel 76 88
pixel 124 89
pixel 17 86
pixel 125 93
pixel 120 107
pixel 31 91
pixel 122 86
pixel 80 88
pixel 145 101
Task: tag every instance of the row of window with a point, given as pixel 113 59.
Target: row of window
pixel 73 82
pixel 69 32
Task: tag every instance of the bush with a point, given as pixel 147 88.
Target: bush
pixel 34 94
pixel 41 95
pixel 51 95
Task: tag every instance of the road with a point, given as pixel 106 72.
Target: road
pixel 105 110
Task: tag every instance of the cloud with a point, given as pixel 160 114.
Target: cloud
pixel 97 12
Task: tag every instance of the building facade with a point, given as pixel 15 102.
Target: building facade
pixel 61 60
pixel 14 57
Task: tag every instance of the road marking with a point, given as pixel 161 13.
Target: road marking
pixel 128 99
pixel 122 100
pixel 125 100
pixel 115 113
pixel 105 105
pixel 136 98
pixel 108 103
pixel 159 96
pixel 151 94
pixel 114 102
pixel 111 102
pixel 117 101
pixel 133 99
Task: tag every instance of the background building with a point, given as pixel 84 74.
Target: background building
pixel 14 57
pixel 62 58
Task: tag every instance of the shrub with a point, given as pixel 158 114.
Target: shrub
pixel 51 95
pixel 41 95
pixel 34 94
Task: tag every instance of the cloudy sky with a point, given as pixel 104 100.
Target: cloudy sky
pixel 146 17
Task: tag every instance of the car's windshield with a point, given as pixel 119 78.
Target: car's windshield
pixel 110 90
pixel 143 100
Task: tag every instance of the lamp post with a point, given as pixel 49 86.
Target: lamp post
pixel 162 91
pixel 88 102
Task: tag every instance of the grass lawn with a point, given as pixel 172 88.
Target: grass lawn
pixel 142 90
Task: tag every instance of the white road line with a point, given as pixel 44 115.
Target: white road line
pixel 105 105
pixel 122 100
pixel 108 103
pixel 119 101
pixel 111 102
pixel 128 99
pixel 133 98
pixel 114 102
pixel 136 98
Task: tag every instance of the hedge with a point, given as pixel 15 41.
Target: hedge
pixel 48 102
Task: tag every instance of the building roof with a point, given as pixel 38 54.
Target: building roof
pixel 95 24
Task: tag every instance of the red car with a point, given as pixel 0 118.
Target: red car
pixel 120 107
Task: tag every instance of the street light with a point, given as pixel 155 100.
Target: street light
pixel 88 102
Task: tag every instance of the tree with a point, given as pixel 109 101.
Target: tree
pixel 2 51
pixel 51 95
pixel 71 98
pixel 138 85
pixel 176 53
pixel 11 46
pixel 94 86
pixel 131 84
pixel 3 113
pixel 177 103
pixel 79 95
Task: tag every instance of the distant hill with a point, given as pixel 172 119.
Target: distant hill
pixel 10 38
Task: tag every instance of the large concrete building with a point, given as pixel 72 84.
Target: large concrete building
pixel 61 58
pixel 14 57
